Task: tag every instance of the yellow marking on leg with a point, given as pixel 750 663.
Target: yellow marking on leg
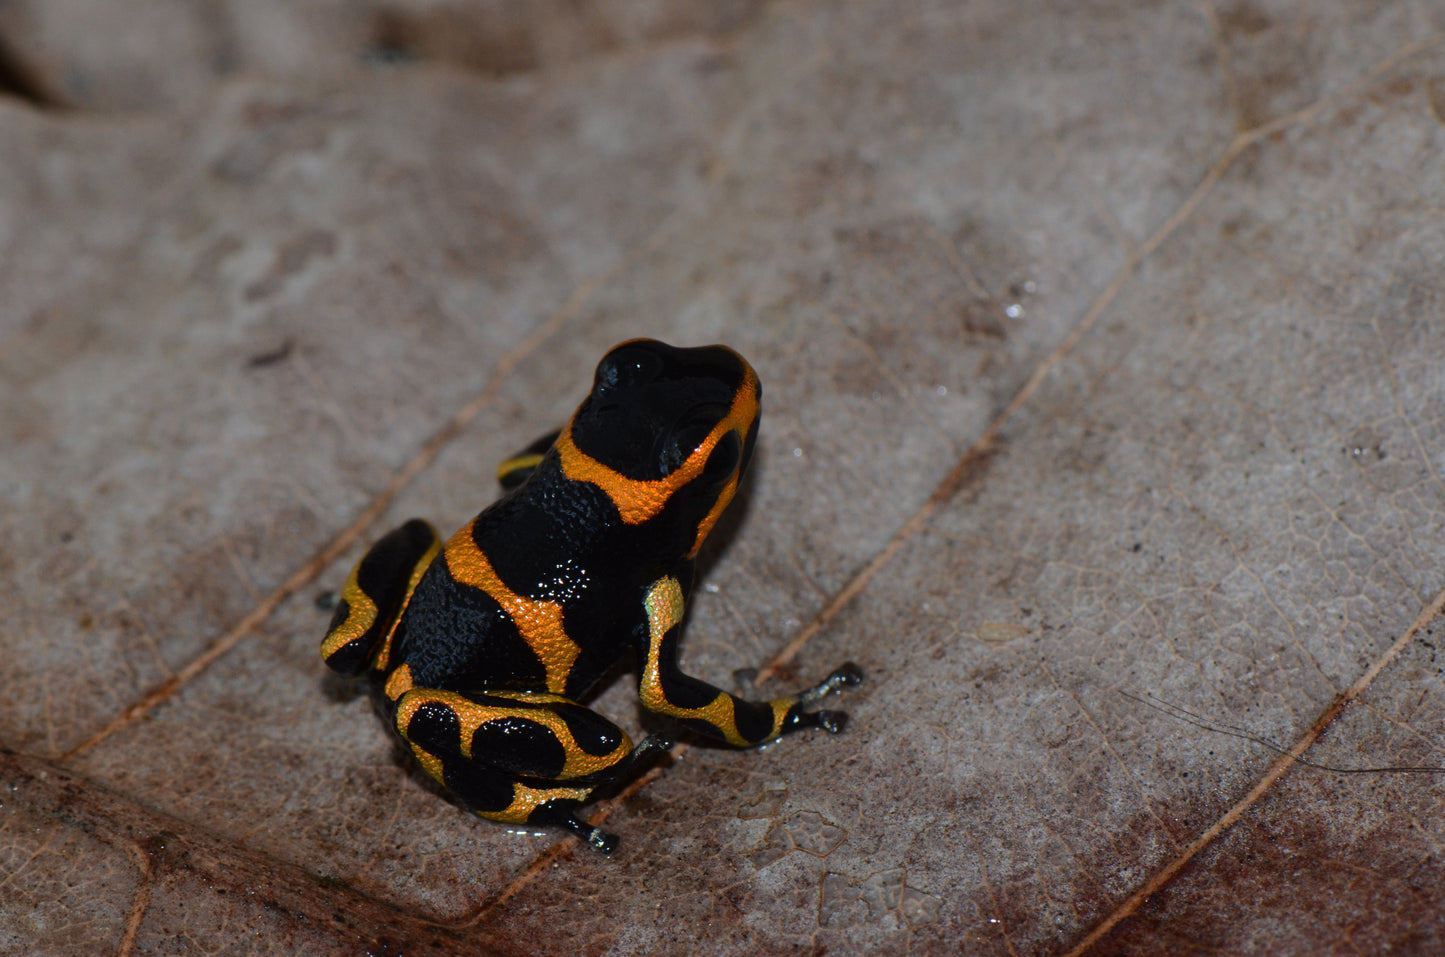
pixel 539 622
pixel 430 763
pixel 526 800
pixel 665 605
pixel 518 463
pixel 361 615
pixel 362 611
pixel 398 683
pixel 383 656
pixel 472 715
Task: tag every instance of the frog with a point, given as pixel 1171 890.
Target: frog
pixel 480 651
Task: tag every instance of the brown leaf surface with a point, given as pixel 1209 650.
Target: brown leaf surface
pixel 1103 364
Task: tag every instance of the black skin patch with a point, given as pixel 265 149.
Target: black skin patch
pixel 518 745
pixel 435 728
pixel 684 690
pixel 481 789
pixel 592 732
pixel 384 570
pixel 754 721
pixel 455 631
pixel 592 548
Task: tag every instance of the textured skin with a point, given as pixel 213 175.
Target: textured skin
pixel 478 649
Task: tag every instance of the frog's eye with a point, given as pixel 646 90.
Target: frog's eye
pixel 681 445
pixel 626 366
pixel 689 436
pixel 723 461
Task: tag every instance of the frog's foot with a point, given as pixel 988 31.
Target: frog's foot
pixel 847 675
pixel 563 813
pixel 519 757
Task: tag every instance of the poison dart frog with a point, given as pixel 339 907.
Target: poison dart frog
pixel 478 649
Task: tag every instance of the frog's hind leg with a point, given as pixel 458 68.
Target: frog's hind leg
pixel 374 597
pixel 519 757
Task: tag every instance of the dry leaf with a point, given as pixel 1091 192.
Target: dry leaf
pixel 1102 355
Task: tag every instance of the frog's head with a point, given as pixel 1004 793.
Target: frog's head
pixel 666 431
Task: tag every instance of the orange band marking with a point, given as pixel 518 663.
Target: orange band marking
pixel 638 500
pixel 539 622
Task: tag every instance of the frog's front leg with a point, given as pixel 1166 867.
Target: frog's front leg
pixel 516 469
pixel 519 757
pixel 665 690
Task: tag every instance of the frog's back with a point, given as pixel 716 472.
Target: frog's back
pixel 501 604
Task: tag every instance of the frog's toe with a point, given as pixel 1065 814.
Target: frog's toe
pixel 604 841
pixel 832 722
pixel 847 675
